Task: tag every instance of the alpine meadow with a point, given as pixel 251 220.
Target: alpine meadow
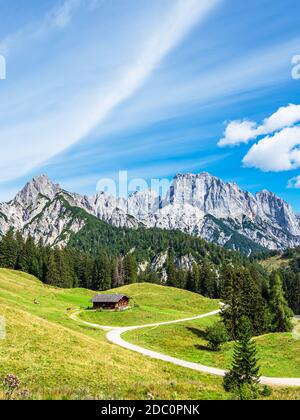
pixel 149 204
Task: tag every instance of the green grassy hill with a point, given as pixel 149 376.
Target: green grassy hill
pixel 278 353
pixel 275 262
pixel 58 358
pixel 150 303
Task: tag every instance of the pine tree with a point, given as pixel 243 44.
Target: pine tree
pixel 254 306
pixel 243 378
pixel 130 269
pixel 52 275
pixel 86 270
pixel 8 250
pixel 20 250
pixel 193 279
pixel 208 279
pixel 171 273
pixel 102 271
pixel 243 298
pixel 232 310
pixel 118 273
pixel 30 258
pixel 281 314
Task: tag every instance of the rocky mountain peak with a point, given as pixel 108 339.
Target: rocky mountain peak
pixel 38 186
pixel 277 210
pixel 198 204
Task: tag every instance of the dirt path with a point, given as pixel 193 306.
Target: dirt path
pixel 114 336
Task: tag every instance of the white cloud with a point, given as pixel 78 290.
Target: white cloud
pixel 280 152
pixel 284 117
pixel 294 182
pixel 238 132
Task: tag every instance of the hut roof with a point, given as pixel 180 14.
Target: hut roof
pixel 104 298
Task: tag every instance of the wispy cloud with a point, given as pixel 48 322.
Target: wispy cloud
pixel 210 85
pixel 57 18
pixel 73 118
pixel 62 15
pixel 294 183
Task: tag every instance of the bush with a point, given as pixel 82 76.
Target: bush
pixel 265 391
pixel 216 335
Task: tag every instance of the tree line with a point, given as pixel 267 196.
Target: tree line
pixel 290 273
pixel 65 267
pixel 246 289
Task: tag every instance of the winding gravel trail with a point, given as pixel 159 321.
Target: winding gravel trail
pixel 114 336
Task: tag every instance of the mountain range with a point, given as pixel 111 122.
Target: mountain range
pixel 197 204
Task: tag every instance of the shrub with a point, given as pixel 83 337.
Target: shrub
pixel 216 335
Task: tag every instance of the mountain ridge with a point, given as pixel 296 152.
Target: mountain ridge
pixel 197 204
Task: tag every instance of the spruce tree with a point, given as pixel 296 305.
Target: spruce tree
pixel 103 270
pixel 232 298
pixel 171 273
pixel 30 257
pixel 130 269
pixel 253 304
pixel 86 270
pixel 20 250
pixel 243 378
pixel 193 279
pixel 8 250
pixel 118 273
pixel 242 297
pixel 281 314
pixel 208 279
pixel 52 275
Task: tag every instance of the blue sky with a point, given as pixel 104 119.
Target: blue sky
pixel 98 86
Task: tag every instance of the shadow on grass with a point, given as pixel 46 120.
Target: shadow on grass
pixel 200 334
pixel 197 332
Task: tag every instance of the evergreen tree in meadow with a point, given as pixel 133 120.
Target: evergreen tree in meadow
pixel 8 250
pixel 281 314
pixel 231 297
pixel 243 378
pixel 242 298
pixel 253 304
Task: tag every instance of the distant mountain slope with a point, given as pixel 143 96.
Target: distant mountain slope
pixel 200 205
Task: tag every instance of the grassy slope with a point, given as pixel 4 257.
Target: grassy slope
pixel 58 358
pixel 274 263
pixel 279 354
pixel 152 303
